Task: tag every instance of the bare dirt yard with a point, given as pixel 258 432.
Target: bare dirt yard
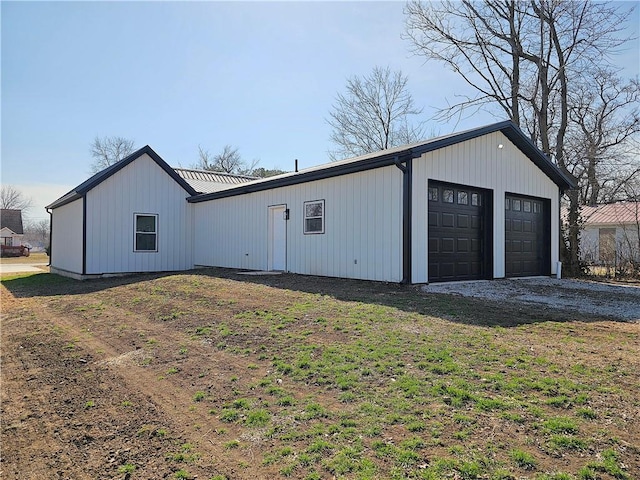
pixel 211 374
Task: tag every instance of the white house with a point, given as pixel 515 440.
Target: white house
pixel 611 233
pixel 473 205
pixel 11 229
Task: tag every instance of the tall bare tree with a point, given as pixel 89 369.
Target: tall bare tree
pixel 373 114
pixel 108 150
pixel 525 60
pixel 228 161
pixel 12 198
pixel 604 121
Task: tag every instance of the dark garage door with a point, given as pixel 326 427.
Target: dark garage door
pixel 527 236
pixel 457 237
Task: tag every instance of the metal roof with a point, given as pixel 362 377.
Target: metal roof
pixel 12 219
pixel 394 155
pixel 611 214
pixel 205 181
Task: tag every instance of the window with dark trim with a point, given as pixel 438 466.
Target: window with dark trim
pixel 314 217
pixel 146 232
pixel 433 194
pixel 463 198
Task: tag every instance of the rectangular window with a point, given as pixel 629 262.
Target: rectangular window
pixel 526 205
pixel 475 199
pixel 516 205
pixel 463 198
pixel 314 217
pixel 433 194
pixel 146 226
pixel 447 196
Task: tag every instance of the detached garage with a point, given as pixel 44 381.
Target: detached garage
pixel 479 204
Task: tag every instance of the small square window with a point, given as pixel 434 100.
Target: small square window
pixel 146 233
pixel 475 199
pixel 314 217
pixel 433 194
pixel 447 196
pixel 463 198
pixel 516 205
pixel 526 206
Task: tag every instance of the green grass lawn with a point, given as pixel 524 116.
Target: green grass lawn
pixel 346 379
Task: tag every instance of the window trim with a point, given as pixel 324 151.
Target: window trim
pixel 136 232
pixel 305 218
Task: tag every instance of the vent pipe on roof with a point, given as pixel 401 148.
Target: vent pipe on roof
pixel 296 163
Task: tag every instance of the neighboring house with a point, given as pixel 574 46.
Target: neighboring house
pixel 479 204
pixel 611 233
pixel 11 230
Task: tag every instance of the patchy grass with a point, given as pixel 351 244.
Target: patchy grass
pixel 321 378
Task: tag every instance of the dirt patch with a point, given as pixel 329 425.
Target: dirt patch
pixel 211 374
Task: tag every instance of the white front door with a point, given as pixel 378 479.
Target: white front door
pixel 277 254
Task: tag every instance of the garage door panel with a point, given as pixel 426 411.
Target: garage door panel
pixel 447 245
pixel 448 220
pixel 458 232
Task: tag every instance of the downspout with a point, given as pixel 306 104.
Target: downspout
pixel 84 234
pixel 50 212
pixel 407 184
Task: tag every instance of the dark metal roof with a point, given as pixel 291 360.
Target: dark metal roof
pixel 393 156
pixel 102 175
pixel 11 219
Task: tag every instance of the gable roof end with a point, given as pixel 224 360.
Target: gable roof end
pixel 12 219
pixel 111 170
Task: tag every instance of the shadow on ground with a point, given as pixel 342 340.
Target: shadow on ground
pixel 408 298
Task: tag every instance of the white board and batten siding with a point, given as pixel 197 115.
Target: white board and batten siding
pixel 66 239
pixel 362 228
pixel 142 187
pixel 480 163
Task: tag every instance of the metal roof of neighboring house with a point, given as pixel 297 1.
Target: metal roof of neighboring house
pixel 12 219
pixel 102 175
pixel 397 155
pixel 618 213
pixel 205 181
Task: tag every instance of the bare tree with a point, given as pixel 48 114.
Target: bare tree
pixel 108 150
pixel 228 161
pixel 12 198
pixel 525 60
pixel 605 119
pixel 373 114
pixel 37 232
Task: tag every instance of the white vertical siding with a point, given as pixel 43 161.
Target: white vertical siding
pixel 363 227
pixel 480 163
pixel 140 187
pixel 66 242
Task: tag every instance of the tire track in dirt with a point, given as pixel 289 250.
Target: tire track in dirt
pixel 100 346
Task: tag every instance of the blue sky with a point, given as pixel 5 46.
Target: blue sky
pixel 261 76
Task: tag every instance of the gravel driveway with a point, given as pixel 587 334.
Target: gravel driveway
pixel 614 301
